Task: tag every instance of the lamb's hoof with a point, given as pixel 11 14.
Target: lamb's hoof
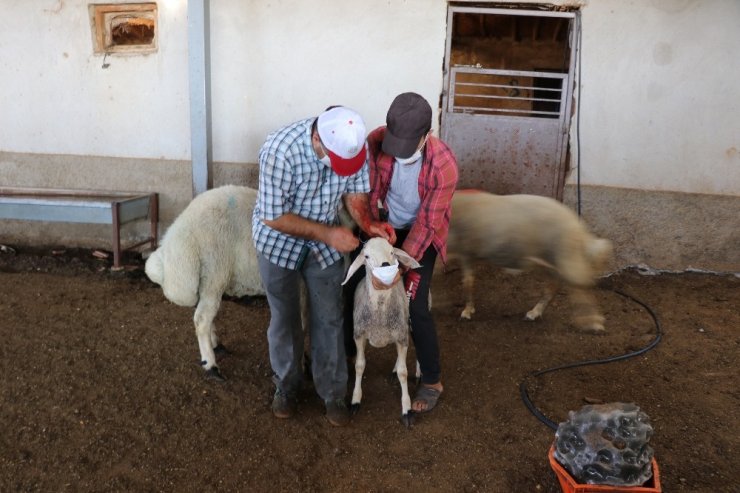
pixel 596 329
pixel 214 374
pixel 408 419
pixel 530 316
pixel 354 409
pixel 221 351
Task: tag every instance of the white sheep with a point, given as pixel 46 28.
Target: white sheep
pixel 206 252
pixel 519 232
pixel 381 316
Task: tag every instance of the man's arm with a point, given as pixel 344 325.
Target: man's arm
pixel 337 237
pixel 358 206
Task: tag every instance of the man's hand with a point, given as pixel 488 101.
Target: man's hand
pixel 359 208
pixel 341 239
pixel 383 230
pixel 337 237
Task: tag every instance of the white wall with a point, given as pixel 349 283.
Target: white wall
pixel 57 99
pixel 272 63
pixel 280 61
pixel 659 106
pixel 660 102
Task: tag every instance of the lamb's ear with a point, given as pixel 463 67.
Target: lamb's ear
pixel 359 262
pixel 406 259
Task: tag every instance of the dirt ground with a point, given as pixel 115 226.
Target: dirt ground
pixel 101 390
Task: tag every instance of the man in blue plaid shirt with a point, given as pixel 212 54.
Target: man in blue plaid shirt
pixel 306 169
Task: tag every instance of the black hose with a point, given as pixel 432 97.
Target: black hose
pixel 523 386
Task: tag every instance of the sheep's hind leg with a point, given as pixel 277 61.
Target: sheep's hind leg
pixel 586 314
pixel 218 348
pixel 468 279
pixel 394 377
pixel 550 289
pixel 359 370
pixel 407 417
pixel 204 330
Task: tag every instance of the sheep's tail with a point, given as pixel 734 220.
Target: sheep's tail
pixel 179 280
pixel 599 251
pixel 154 268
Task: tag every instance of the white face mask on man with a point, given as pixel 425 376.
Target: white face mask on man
pixel 415 156
pixel 410 160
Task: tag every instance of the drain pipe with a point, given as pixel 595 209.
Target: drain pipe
pixel 199 74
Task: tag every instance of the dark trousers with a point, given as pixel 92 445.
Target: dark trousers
pixel 423 329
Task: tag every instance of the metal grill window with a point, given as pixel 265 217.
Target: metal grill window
pixel 505 92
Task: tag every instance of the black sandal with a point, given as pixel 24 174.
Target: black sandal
pixel 428 395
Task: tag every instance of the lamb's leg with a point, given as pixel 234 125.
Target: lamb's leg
pixel 586 314
pixel 359 370
pixel 550 289
pixel 468 279
pixel 402 372
pixel 205 312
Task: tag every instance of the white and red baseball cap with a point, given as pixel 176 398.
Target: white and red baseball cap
pixel 342 132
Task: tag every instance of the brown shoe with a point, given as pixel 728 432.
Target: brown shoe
pixel 284 405
pixel 337 413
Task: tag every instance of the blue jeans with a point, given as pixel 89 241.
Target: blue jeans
pixel 285 334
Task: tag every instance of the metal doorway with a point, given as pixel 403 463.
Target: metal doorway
pixel 506 102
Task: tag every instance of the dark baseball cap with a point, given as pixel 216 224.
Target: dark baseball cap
pixel 409 118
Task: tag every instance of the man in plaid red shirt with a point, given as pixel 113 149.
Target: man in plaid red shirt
pixel 413 174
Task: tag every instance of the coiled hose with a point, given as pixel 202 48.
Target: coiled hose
pixel 523 385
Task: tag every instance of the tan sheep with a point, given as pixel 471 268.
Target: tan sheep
pixel 520 232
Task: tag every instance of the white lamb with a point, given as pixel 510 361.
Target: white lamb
pixel 208 251
pixel 519 232
pixel 381 316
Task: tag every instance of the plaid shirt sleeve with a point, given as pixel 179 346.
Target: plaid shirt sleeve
pixel 275 180
pixel 436 190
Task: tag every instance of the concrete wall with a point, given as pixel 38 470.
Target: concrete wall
pixel 659 106
pixel 67 122
pixel 660 131
pixel 660 103
pixel 664 230
pixel 272 63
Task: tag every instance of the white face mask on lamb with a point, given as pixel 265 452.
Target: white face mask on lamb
pixel 381 260
pixel 386 274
